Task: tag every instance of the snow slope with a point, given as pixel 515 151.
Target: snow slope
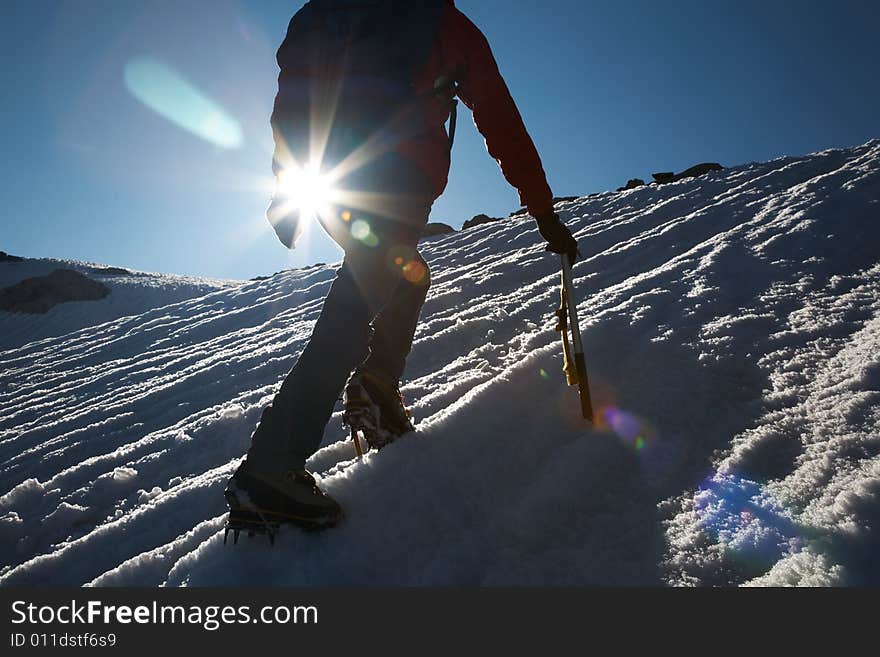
pixel 131 293
pixel 732 325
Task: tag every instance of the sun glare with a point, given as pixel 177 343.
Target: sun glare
pixel 306 189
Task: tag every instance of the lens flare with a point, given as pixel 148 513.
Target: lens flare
pixel 629 427
pixel 397 257
pixel 415 272
pixel 360 229
pixel 752 526
pixel 176 99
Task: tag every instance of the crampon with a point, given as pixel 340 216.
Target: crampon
pixel 378 418
pixel 248 514
pixel 255 523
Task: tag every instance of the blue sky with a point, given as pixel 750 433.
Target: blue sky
pixel 608 90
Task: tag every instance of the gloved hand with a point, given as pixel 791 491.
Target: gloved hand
pixel 558 236
pixel 285 221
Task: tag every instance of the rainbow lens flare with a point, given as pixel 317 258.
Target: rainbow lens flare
pixel 636 432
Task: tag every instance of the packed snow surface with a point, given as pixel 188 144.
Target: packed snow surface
pixel 732 330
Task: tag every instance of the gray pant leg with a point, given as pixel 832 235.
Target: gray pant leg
pixel 291 428
pixel 395 325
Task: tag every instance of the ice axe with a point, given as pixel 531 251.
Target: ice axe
pixel 357 444
pixel 575 368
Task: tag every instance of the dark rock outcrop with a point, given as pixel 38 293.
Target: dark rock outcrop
pixel 40 294
pixel 663 178
pixel 632 184
pixel 5 257
pixel 693 172
pixel 436 228
pixel 699 170
pixel 479 220
pixel 111 271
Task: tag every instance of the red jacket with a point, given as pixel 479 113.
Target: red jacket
pixel 458 53
pixel 462 52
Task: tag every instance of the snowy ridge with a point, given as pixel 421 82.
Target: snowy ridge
pixel 732 325
pixel 131 293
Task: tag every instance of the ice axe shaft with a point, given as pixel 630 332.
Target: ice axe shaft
pixel 357 443
pixel 569 307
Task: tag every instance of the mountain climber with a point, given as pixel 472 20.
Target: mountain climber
pixel 364 94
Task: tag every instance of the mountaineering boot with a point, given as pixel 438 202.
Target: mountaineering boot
pixel 260 502
pixel 375 407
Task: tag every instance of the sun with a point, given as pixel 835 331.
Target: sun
pixel 305 189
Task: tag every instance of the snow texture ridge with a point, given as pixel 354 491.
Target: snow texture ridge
pixel 732 330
